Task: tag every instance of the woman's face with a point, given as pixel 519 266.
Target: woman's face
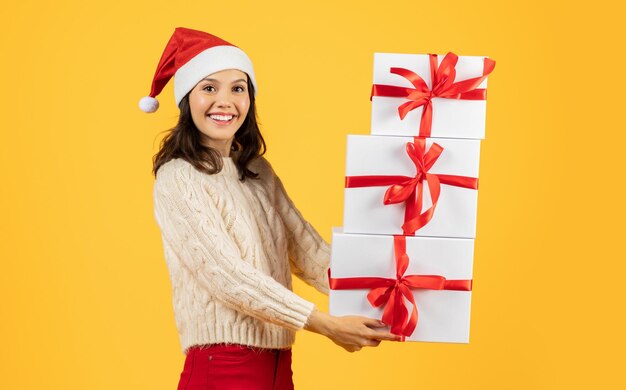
pixel 219 104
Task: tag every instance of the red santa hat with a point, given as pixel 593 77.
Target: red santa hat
pixel 189 56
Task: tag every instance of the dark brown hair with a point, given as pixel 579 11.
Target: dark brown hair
pixel 183 141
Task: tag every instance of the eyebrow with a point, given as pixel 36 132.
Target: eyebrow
pixel 217 81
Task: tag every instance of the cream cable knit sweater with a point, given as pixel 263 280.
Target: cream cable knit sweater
pixel 230 248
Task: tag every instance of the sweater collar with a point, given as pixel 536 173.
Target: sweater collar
pixel 229 168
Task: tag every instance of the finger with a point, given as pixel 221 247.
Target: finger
pixel 385 336
pixel 372 343
pixel 369 342
pixel 373 323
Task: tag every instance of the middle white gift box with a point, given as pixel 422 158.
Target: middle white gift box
pixel 411 186
pixel 419 286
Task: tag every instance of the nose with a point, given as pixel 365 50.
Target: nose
pixel 223 98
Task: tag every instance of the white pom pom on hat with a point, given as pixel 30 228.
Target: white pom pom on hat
pixel 191 55
pixel 148 104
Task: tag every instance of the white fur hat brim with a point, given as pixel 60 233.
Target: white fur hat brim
pixel 210 61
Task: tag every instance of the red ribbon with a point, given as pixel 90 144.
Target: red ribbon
pixel 410 189
pixel 389 292
pixel 442 78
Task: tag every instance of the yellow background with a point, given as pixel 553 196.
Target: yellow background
pixel 85 292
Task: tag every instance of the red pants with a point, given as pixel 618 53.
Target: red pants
pixel 235 367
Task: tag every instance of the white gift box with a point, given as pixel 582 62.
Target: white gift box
pixel 452 118
pixel 443 315
pixel 364 210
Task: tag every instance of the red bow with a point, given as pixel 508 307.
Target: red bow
pixel 410 189
pixel 389 292
pixel 442 78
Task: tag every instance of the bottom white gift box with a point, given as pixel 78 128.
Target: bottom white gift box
pixel 391 271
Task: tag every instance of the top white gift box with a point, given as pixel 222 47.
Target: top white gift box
pixel 430 95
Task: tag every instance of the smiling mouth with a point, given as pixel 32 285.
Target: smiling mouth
pixel 222 118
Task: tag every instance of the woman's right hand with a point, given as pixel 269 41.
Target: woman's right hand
pixel 350 332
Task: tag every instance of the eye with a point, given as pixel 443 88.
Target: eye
pixel 239 89
pixel 208 88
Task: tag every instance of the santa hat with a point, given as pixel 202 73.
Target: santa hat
pixel 189 56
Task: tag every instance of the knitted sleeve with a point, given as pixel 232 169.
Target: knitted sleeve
pixel 309 253
pixel 193 226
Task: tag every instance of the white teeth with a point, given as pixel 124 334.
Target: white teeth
pixel 221 117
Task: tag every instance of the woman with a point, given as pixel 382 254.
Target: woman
pixel 231 235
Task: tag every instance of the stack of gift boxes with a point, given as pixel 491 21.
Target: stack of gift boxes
pixel 405 253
